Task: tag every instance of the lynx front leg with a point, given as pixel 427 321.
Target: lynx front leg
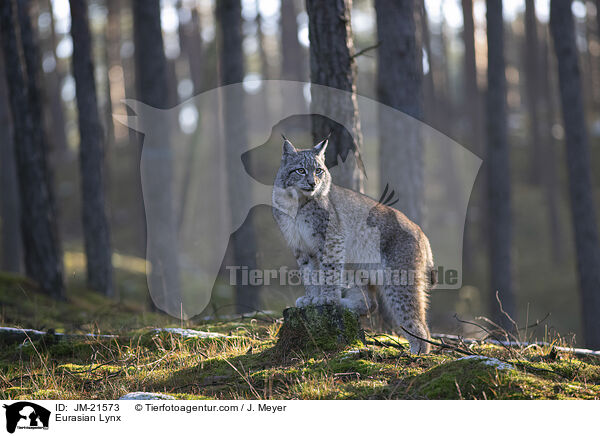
pixel 307 265
pixel 332 273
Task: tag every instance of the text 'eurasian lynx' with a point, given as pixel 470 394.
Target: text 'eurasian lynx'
pixel 334 232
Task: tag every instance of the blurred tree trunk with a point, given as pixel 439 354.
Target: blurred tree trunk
pixel 190 37
pixel 156 170
pixel 400 85
pixel 190 40
pixel 96 233
pixel 173 99
pixel 11 251
pixel 473 103
pixel 112 45
pixel 265 73
pixel 532 78
pixel 587 242
pixel 498 169
pixel 265 65
pixel 231 70
pixel 473 107
pixel 293 59
pixel 293 56
pixel 548 157
pixel 332 64
pixel 43 261
pixel 429 97
pixel 598 19
pixel 55 116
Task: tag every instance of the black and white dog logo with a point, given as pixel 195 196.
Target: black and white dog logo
pixel 26 415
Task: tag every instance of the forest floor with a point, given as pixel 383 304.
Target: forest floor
pixel 236 359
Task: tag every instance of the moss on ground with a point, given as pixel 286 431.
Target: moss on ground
pixel 244 362
pixel 315 329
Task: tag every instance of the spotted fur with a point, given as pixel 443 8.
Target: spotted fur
pixel 330 229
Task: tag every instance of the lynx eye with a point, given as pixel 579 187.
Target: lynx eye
pixel 319 171
pixel 301 171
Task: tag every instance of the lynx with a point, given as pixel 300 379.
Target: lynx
pixel 330 228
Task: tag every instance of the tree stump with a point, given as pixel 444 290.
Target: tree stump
pixel 319 328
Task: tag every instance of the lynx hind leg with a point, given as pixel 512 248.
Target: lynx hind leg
pixel 404 308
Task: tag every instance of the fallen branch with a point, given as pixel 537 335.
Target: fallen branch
pixel 575 351
pixel 441 344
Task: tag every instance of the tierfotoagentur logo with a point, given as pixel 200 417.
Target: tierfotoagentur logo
pixel 208 181
pixel 284 276
pixel 25 415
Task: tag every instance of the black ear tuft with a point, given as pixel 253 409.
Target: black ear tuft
pixel 321 146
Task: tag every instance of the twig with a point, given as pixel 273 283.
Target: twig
pixel 575 351
pixel 503 312
pixel 243 377
pixel 485 330
pixel 441 344
pixel 364 50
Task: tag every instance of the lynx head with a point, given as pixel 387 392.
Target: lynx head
pixel 304 170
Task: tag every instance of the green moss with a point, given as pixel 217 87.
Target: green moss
pixel 319 328
pixel 325 358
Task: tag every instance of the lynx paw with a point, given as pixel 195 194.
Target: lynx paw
pixel 323 299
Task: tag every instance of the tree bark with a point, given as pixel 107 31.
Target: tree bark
pixel 156 170
pixel 332 64
pixel 38 224
pixel 96 233
pixel 231 70
pixel 587 242
pixel 399 85
pixel 11 252
pixel 498 169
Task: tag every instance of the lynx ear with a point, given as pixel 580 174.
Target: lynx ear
pixel 320 148
pixel 288 148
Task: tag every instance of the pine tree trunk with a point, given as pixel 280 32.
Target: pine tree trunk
pixel 598 18
pixel 399 85
pixel 55 116
pixel 332 64
pixel 548 157
pixel 190 39
pixel 532 77
pixel 498 169
pixel 96 233
pixel 293 59
pixel 43 261
pixel 11 249
pixel 293 56
pixel 231 70
pixel 587 242
pixel 473 103
pixel 473 107
pixel 156 171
